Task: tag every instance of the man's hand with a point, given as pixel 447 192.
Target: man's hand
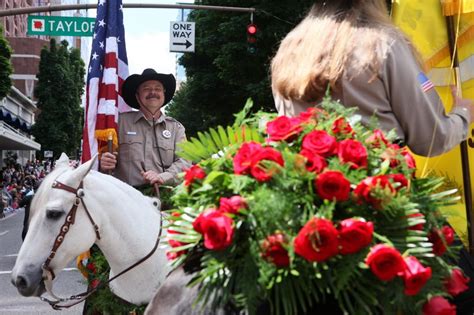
pixel 108 161
pixel 152 177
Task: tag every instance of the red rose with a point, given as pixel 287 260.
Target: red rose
pixel 263 173
pixel 317 240
pixel 400 179
pixel 415 275
pixel 91 267
pixel 232 204
pixel 376 139
pixel 385 262
pixel 353 153
pixel 409 159
pixel 418 227
pixel 332 185
pixel 310 114
pixel 391 153
pixel 441 239
pixel 192 173
pixel 283 128
pixel 438 305
pixel 95 283
pixel 374 190
pixel 216 227
pixel 274 250
pixel 354 235
pixel 341 127
pixel 320 142
pixel 243 157
pixel 457 282
pixel 314 162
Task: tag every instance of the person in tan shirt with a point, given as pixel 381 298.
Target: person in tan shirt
pixel 148 138
pixel 353 49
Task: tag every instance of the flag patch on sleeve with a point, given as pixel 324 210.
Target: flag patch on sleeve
pixel 425 83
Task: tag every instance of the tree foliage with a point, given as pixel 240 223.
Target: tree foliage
pixel 6 68
pixel 60 86
pixel 221 74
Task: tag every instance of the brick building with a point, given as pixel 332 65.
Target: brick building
pixel 17 110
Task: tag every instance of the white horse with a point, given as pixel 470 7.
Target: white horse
pixel 128 224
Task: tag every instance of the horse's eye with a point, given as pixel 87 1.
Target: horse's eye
pixel 54 214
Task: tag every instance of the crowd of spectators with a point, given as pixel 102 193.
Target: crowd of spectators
pixel 18 181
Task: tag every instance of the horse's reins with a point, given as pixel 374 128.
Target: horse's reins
pixel 48 274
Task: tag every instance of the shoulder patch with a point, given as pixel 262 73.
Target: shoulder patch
pixel 425 83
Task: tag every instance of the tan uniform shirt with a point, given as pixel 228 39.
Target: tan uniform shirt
pixel 397 98
pixel 137 144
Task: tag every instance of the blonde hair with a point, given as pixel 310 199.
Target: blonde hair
pixel 338 38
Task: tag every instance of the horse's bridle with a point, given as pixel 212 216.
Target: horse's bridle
pixel 70 219
pixel 48 273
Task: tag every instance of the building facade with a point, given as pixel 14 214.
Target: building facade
pixel 17 110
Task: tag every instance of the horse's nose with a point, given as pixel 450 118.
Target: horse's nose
pixel 26 285
pixel 20 282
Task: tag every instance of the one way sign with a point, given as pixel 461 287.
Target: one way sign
pixel 182 37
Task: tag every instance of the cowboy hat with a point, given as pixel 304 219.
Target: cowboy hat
pixel 131 84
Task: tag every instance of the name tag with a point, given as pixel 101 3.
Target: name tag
pixel 132 133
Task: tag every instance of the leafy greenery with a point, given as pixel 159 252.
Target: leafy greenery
pixel 405 215
pixel 6 68
pixel 221 74
pixel 58 126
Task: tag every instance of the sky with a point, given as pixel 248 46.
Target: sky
pixel 147 36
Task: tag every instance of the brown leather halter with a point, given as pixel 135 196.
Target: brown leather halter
pixel 68 221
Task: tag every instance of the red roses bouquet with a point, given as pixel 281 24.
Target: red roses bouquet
pixel 296 210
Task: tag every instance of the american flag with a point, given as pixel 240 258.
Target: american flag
pixel 425 83
pixel 108 68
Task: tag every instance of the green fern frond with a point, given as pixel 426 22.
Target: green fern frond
pixel 216 140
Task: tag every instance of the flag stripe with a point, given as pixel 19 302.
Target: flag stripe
pixel 111 60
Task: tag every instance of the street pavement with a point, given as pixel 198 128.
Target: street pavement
pixel 68 282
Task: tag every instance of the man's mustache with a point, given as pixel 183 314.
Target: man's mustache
pixel 152 96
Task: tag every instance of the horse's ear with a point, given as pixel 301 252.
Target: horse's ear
pixel 81 172
pixel 63 160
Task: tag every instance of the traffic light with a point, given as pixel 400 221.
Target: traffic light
pixel 252 38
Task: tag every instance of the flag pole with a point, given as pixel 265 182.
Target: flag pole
pixel 466 175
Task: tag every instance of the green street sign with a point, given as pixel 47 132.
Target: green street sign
pixel 60 25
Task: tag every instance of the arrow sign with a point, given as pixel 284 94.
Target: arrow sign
pixel 187 44
pixel 182 36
